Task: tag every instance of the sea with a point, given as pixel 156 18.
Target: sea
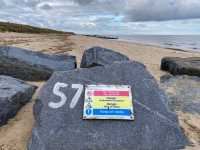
pixel 177 42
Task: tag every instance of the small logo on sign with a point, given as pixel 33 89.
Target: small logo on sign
pixel 89 111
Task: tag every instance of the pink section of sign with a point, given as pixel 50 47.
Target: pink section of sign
pixel 111 93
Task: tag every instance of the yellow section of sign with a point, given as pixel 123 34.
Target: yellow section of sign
pixel 117 102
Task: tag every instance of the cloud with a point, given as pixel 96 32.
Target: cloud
pixel 147 10
pixel 45 6
pixel 83 2
pixel 3 4
pixel 104 16
pixel 162 10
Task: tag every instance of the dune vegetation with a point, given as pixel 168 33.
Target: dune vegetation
pixel 21 28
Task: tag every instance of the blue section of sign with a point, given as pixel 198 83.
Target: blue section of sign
pixel 88 111
pixel 113 112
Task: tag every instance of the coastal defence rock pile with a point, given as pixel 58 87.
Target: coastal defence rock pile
pixel 154 127
pixel 33 66
pixel 181 66
pixel 14 94
pixel 59 107
pixel 98 56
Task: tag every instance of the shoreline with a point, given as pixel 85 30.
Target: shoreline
pixel 158 46
pixel 149 55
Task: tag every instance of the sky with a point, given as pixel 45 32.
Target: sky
pixel 110 17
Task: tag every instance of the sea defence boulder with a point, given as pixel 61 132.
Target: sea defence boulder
pixel 14 94
pixel 28 65
pixel 181 66
pixel 98 56
pixel 183 93
pixel 59 124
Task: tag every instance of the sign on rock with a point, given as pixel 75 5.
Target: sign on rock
pixel 108 102
pixel 59 109
pixel 101 101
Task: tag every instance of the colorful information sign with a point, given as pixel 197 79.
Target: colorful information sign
pixel 108 102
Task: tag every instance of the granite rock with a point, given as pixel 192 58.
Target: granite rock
pixel 98 56
pixel 181 66
pixel 14 94
pixel 154 127
pixel 183 93
pixel 33 66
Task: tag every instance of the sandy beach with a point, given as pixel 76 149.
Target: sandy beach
pixel 15 134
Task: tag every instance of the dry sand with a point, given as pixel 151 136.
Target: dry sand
pixel 15 134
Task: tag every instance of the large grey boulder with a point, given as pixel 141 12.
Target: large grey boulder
pixel 14 94
pixel 154 128
pixel 98 56
pixel 28 65
pixel 183 93
pixel 181 66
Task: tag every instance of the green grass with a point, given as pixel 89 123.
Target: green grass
pixel 21 28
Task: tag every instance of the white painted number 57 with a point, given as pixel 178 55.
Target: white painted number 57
pixel 63 98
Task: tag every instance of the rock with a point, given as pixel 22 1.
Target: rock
pixel 183 93
pixel 98 56
pixel 14 94
pixel 181 66
pixel 165 77
pixel 155 127
pixel 28 65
